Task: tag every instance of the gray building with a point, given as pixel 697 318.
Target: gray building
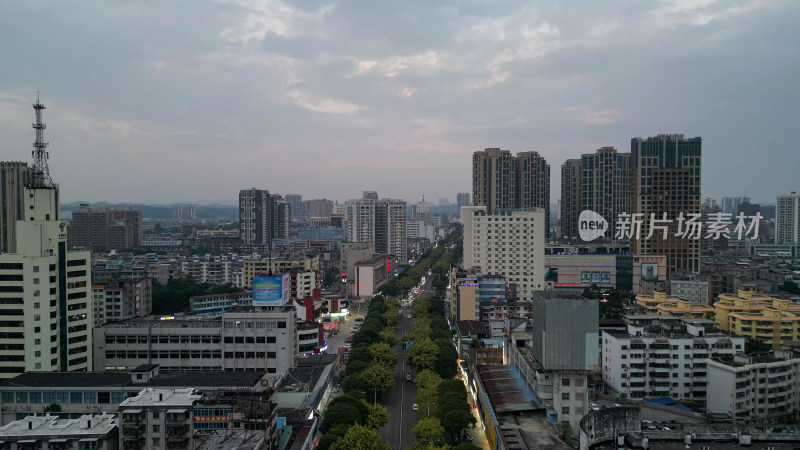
pixel 54 432
pixel 14 176
pixel 565 332
pixel 696 291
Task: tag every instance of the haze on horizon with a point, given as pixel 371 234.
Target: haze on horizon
pixel 186 101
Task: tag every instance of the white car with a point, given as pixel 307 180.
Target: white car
pixel 594 407
pixel 415 407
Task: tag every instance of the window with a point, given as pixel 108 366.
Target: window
pixel 48 397
pixel 103 397
pixel 565 396
pixel 7 397
pixel 156 415
pixel 156 442
pixel 565 410
pixel 117 397
pixel 565 382
pixel 90 397
pixel 156 428
pixel 271 339
pixel 35 397
pixel 62 397
pixel 76 397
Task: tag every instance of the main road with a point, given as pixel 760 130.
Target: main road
pixel 400 400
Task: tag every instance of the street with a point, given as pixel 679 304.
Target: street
pixel 399 401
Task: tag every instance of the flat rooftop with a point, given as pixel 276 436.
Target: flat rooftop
pixel 150 397
pixel 123 379
pixel 507 389
pixel 53 429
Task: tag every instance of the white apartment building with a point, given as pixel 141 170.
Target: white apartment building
pixel 667 359
pixel 157 419
pixel 243 338
pixel 420 229
pixel 90 431
pixel 390 228
pixel 787 219
pixel 106 304
pixel 45 293
pixel 359 220
pixel 755 388
pixel 508 243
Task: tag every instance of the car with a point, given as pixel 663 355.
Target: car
pixel 408 377
pixel 359 319
pixel 651 427
pixel 348 340
pixel 415 407
pixel 594 407
pixel 666 429
pixel 617 405
pixel 647 422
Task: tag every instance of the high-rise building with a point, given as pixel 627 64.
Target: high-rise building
pixel 787 219
pixel 462 198
pixel 532 183
pixel 508 243
pixel 319 208
pixel 189 213
pixel 105 229
pixel 360 220
pixel 177 212
pixel 45 289
pixel 281 217
pixel 570 197
pixel 263 217
pixel 503 181
pixel 666 184
pixel 731 205
pixel 493 179
pixel 421 211
pixel 13 178
pixel 599 182
pixel 295 202
pixel 390 228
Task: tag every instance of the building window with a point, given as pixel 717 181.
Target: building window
pixel 565 382
pixel 156 415
pixel 156 442
pixel 565 410
pixel 565 396
pixel 156 428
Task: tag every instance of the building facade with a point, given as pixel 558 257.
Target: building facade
pixel 462 199
pixel 506 243
pixel 787 219
pixel 158 418
pixel 105 229
pixel 666 184
pixel 14 176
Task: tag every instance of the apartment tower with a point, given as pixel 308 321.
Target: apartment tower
pixel 787 219
pixel 666 183
pixel 13 178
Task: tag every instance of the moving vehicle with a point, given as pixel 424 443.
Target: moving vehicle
pixel 594 407
pixel 408 377
pixel 415 407
pixel 359 319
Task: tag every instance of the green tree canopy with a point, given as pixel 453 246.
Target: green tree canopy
pixel 429 430
pixel 359 437
pixel 384 354
pixel 422 354
pixel 378 416
pixel 344 410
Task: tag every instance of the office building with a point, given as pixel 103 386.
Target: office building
pixel 666 358
pixel 372 274
pixel 633 273
pixel 105 229
pixel 243 338
pixel 506 243
pixel 45 289
pixel 158 418
pixel 598 182
pixel 755 388
pixel 666 184
pixel 13 179
pixel 91 431
pixel 462 199
pixel 787 219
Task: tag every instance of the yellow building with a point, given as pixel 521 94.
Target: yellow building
pixel 773 320
pixel 668 305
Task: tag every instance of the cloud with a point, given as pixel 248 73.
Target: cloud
pixel 325 105
pixel 593 117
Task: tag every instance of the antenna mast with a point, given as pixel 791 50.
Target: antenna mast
pixel 40 176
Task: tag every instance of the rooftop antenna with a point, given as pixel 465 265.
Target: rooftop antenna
pixel 40 175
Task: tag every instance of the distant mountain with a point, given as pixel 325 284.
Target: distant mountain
pixel 163 212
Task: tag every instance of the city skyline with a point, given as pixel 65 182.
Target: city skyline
pixel 260 93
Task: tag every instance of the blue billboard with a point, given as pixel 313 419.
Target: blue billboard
pixel 270 291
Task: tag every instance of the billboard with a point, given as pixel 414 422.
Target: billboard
pixel 650 272
pixel 270 291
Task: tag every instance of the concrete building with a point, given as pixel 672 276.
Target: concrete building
pixel 668 358
pixel 352 253
pixel 45 290
pixel 319 208
pixel 787 219
pixel 665 183
pixel 81 393
pixel 240 339
pixel 189 213
pixel 462 199
pixel 503 181
pixel 419 229
pixel 14 176
pixel 121 298
pixel 371 274
pixel 295 202
pixel 600 182
pixel 775 321
pixel 471 291
pixel 158 419
pixel 696 291
pixel 755 388
pixel 177 213
pixel 506 243
pixel 660 303
pixel 105 229
pixel 390 228
pixel 276 265
pixel 263 217
pixel 360 220
pixel 100 431
pixel 630 273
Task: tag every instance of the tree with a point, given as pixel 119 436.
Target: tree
pixel 422 354
pixel 429 430
pixel 331 276
pixel 360 354
pixel 427 379
pixel 455 420
pixel 387 336
pixel 344 410
pixel 355 367
pixel 756 347
pixel 353 385
pixel 378 377
pixel 378 416
pixel 466 446
pixel 359 437
pixel 446 365
pixel 790 287
pixel 326 441
pixel 52 408
pixel 383 353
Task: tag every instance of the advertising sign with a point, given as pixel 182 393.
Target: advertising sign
pixel 586 277
pixel 595 277
pixel 649 272
pixel 270 291
pixel 605 277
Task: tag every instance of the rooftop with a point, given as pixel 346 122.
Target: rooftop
pixel 121 379
pixel 150 397
pixel 54 429
pixel 470 327
pixel 507 389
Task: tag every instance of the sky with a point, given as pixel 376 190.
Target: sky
pixel 192 100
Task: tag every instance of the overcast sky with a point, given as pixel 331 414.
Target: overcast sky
pixel 191 100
